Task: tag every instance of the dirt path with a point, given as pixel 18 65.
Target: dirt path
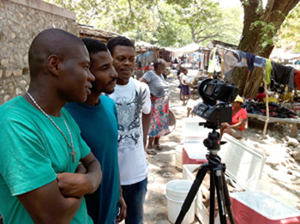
pixel 162 166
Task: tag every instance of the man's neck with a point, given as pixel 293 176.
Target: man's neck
pixel 93 99
pixel 122 82
pixel 47 101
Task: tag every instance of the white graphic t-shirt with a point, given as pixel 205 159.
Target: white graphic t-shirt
pixel 131 100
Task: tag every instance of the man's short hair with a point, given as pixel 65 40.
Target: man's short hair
pixel 93 45
pixel 261 89
pixel 159 62
pixel 50 41
pixel 119 41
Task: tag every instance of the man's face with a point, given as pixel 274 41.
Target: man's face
pixel 104 72
pixel 161 69
pixel 74 80
pixel 124 61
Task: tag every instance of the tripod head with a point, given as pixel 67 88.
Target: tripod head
pixel 212 142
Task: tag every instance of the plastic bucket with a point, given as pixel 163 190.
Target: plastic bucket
pixel 176 192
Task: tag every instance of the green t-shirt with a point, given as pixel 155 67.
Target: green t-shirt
pixel 32 152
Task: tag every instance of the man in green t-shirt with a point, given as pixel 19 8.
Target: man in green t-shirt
pixel 41 180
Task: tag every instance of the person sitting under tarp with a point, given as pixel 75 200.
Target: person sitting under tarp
pixel 261 94
pixel 236 127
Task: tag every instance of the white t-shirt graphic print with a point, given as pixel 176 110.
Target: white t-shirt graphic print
pixel 131 100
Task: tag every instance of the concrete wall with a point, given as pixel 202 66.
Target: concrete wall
pixel 20 22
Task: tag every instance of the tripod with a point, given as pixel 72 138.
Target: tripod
pixel 217 182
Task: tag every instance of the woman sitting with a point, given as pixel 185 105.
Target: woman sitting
pixel 159 89
pixel 236 127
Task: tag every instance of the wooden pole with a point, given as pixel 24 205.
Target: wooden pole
pixel 246 86
pixel 222 64
pixel 267 106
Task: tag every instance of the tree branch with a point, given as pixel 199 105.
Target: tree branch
pixel 203 38
pixel 130 8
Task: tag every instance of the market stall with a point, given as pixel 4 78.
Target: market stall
pixel 281 80
pixel 147 53
pixel 193 53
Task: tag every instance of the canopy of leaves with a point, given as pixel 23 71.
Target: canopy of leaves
pixel 165 22
pixel 289 33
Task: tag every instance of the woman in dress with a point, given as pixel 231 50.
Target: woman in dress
pixel 159 89
pixel 185 87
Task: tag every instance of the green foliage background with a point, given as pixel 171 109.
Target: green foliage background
pixel 172 23
pixel 289 33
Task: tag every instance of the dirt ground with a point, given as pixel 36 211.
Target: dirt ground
pixel 283 174
pixel 162 166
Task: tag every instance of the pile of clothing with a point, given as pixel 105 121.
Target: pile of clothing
pixel 274 110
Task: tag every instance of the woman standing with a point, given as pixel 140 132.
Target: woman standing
pixel 179 77
pixel 159 89
pixel 185 88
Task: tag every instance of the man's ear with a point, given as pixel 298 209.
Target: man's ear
pixel 53 64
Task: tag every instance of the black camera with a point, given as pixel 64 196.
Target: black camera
pixel 211 91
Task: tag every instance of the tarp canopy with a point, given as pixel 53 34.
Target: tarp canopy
pixel 99 34
pixel 142 47
pixel 284 54
pixel 190 48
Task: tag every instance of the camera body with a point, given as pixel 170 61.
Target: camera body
pixel 218 113
pixel 211 91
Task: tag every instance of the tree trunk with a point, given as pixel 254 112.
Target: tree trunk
pixel 256 38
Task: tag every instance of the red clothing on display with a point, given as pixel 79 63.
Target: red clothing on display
pixel 297 78
pixel 241 114
pixel 260 97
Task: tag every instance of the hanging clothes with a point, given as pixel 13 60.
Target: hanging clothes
pixel 268 70
pixel 214 62
pixel 259 62
pixel 206 59
pixel 138 60
pixel 239 55
pixel 232 59
pixel 250 61
pixel 281 76
pixel 143 60
pixel 150 58
pixel 201 64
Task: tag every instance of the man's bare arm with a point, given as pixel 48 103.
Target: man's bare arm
pixel 47 205
pixel 146 120
pixel 80 184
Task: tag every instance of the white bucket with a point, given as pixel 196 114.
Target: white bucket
pixel 176 192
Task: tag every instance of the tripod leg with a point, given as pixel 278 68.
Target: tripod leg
pixel 192 193
pixel 220 195
pixel 212 198
pixel 227 201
